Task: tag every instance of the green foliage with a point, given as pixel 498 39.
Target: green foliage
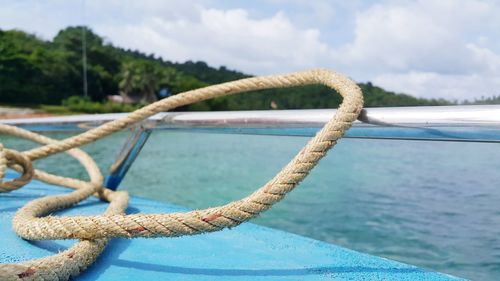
pixel 203 72
pixel 184 83
pixel 102 65
pixel 141 79
pixel 33 71
pixel 484 100
pixel 22 75
pixel 56 109
pixel 85 105
pixel 377 97
pixel 38 72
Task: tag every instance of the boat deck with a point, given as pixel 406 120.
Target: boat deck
pixel 247 252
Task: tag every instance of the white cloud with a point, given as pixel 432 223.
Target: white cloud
pixel 44 19
pixel 225 37
pixel 435 85
pixel 447 48
pixel 180 30
pixel 322 11
pixel 423 36
pixel 427 48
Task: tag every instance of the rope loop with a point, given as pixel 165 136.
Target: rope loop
pixel 11 158
pixel 31 221
pixel 3 162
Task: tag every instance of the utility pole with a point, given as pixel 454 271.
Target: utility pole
pixel 84 54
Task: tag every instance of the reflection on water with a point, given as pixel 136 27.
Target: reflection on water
pixel 431 204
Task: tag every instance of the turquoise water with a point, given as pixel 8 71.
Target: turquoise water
pixel 432 204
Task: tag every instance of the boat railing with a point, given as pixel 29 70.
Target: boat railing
pixel 471 123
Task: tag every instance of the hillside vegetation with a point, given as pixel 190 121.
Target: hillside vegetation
pixel 34 72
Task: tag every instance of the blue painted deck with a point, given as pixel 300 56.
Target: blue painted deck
pixel 247 252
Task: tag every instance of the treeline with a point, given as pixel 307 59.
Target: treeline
pixel 484 100
pixel 34 71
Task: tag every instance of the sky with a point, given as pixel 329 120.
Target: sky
pixel 434 49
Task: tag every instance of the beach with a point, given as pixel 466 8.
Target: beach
pixel 20 112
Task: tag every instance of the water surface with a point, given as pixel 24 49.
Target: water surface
pixel 431 204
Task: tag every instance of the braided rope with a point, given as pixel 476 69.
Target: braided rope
pixel 3 162
pixel 74 260
pixel 30 221
pixel 14 158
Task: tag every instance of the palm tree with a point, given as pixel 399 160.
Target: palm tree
pixel 141 80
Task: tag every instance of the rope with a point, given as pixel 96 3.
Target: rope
pixel 12 157
pixel 30 221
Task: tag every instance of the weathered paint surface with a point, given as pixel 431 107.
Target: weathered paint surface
pixel 247 252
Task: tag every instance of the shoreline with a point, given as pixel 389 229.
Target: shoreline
pixel 7 112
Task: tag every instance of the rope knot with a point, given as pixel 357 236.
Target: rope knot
pixel 18 161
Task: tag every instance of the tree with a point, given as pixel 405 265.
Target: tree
pixel 34 71
pixel 102 62
pixel 141 80
pixel 25 62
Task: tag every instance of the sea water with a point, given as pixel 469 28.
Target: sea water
pixel 432 204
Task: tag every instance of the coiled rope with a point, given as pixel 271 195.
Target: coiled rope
pixel 30 221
